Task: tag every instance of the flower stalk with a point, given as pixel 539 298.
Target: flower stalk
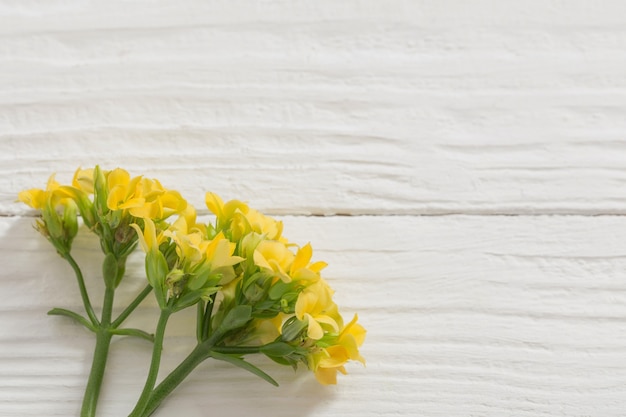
pixel 173 380
pixel 83 289
pixel 155 363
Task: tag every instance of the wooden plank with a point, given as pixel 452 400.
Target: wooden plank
pixel 467 315
pixel 403 108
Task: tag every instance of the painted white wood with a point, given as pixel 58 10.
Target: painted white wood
pixel 467 315
pixel 413 107
pixel 352 107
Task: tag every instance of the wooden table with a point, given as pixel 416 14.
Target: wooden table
pixel 462 169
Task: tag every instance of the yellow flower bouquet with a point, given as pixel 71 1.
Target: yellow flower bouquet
pixel 255 291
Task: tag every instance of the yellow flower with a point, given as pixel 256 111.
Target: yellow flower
pixel 193 270
pixel 277 257
pixel 326 362
pixel 58 210
pixel 301 269
pixel 274 256
pixel 142 197
pixel 219 253
pixel 224 212
pixel 254 221
pixel 242 219
pixel 190 245
pixel 37 198
pixel 186 219
pixel 83 180
pixel 315 305
pixel 148 238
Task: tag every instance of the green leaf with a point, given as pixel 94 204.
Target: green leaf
pixel 75 316
pixel 100 191
pixel 134 332
pixel 70 222
pixel 262 275
pixel 186 300
pixel 235 318
pixel 156 271
pixel 278 289
pixel 199 278
pixel 53 221
pixel 85 206
pixel 277 349
pixel 292 329
pixel 244 365
pixel 128 248
pixel 281 361
pixel 121 269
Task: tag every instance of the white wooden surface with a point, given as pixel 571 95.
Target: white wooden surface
pixel 476 149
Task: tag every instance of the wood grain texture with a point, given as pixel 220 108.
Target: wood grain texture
pixel 409 107
pixel 467 315
pixel 400 109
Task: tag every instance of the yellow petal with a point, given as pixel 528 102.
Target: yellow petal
pixel 83 180
pixel 304 274
pixel 306 302
pixel 233 206
pixel 149 189
pixel 141 238
pixel 260 260
pixel 323 319
pixel 314 331
pixel 318 266
pixel 117 195
pixel 173 202
pixel 326 376
pixel 145 210
pixel 337 356
pixel 356 330
pixel 302 258
pixel 33 197
pixel 350 344
pixel 147 237
pixel 52 183
pixel 188 215
pixel 118 177
pixel 214 203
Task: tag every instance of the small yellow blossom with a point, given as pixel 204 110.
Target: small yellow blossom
pixel 242 219
pixel 274 256
pixel 315 305
pixel 83 180
pixel 37 198
pixel 190 245
pixel 301 269
pixel 148 238
pixel 142 197
pixel 326 362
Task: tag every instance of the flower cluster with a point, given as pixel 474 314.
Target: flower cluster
pixel 255 291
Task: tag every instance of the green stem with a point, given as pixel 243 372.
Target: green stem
pixel 103 341
pixel 197 356
pixel 199 319
pixel 107 307
pixel 83 289
pixel 92 392
pixel 237 350
pixel 154 364
pixel 132 306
